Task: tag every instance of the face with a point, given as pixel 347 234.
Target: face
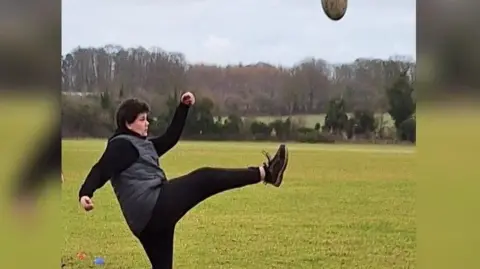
pixel 140 125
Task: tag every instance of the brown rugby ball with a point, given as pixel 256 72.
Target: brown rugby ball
pixel 335 9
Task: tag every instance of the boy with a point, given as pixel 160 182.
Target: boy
pixel 151 204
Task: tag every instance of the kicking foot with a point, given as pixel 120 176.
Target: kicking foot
pixel 275 167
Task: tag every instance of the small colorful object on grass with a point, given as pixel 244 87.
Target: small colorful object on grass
pixel 99 261
pixel 81 255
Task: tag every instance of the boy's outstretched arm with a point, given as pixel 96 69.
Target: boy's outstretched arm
pixel 118 156
pixel 171 136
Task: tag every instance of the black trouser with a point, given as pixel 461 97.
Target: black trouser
pixel 177 197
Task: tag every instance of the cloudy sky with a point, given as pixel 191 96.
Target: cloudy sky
pixel 247 31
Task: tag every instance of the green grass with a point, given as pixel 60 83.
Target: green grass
pixel 339 207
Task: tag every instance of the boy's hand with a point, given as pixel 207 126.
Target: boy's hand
pixel 86 203
pixel 188 98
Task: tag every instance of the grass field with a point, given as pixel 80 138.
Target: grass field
pixel 339 207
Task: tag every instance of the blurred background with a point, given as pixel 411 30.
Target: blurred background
pixel 30 45
pixel 449 127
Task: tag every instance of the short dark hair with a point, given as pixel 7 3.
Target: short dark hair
pixel 129 110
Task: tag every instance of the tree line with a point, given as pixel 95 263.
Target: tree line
pixel 346 97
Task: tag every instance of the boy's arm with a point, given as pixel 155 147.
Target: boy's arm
pixel 171 136
pixel 118 156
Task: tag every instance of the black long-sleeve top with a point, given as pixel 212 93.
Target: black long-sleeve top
pixel 121 154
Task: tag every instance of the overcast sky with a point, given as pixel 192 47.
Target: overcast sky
pixel 247 31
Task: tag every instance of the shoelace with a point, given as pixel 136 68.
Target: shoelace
pixel 268 157
pixel 268 163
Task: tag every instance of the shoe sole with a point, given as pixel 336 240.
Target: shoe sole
pixel 279 178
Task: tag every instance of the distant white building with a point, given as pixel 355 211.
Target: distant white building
pixel 80 94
